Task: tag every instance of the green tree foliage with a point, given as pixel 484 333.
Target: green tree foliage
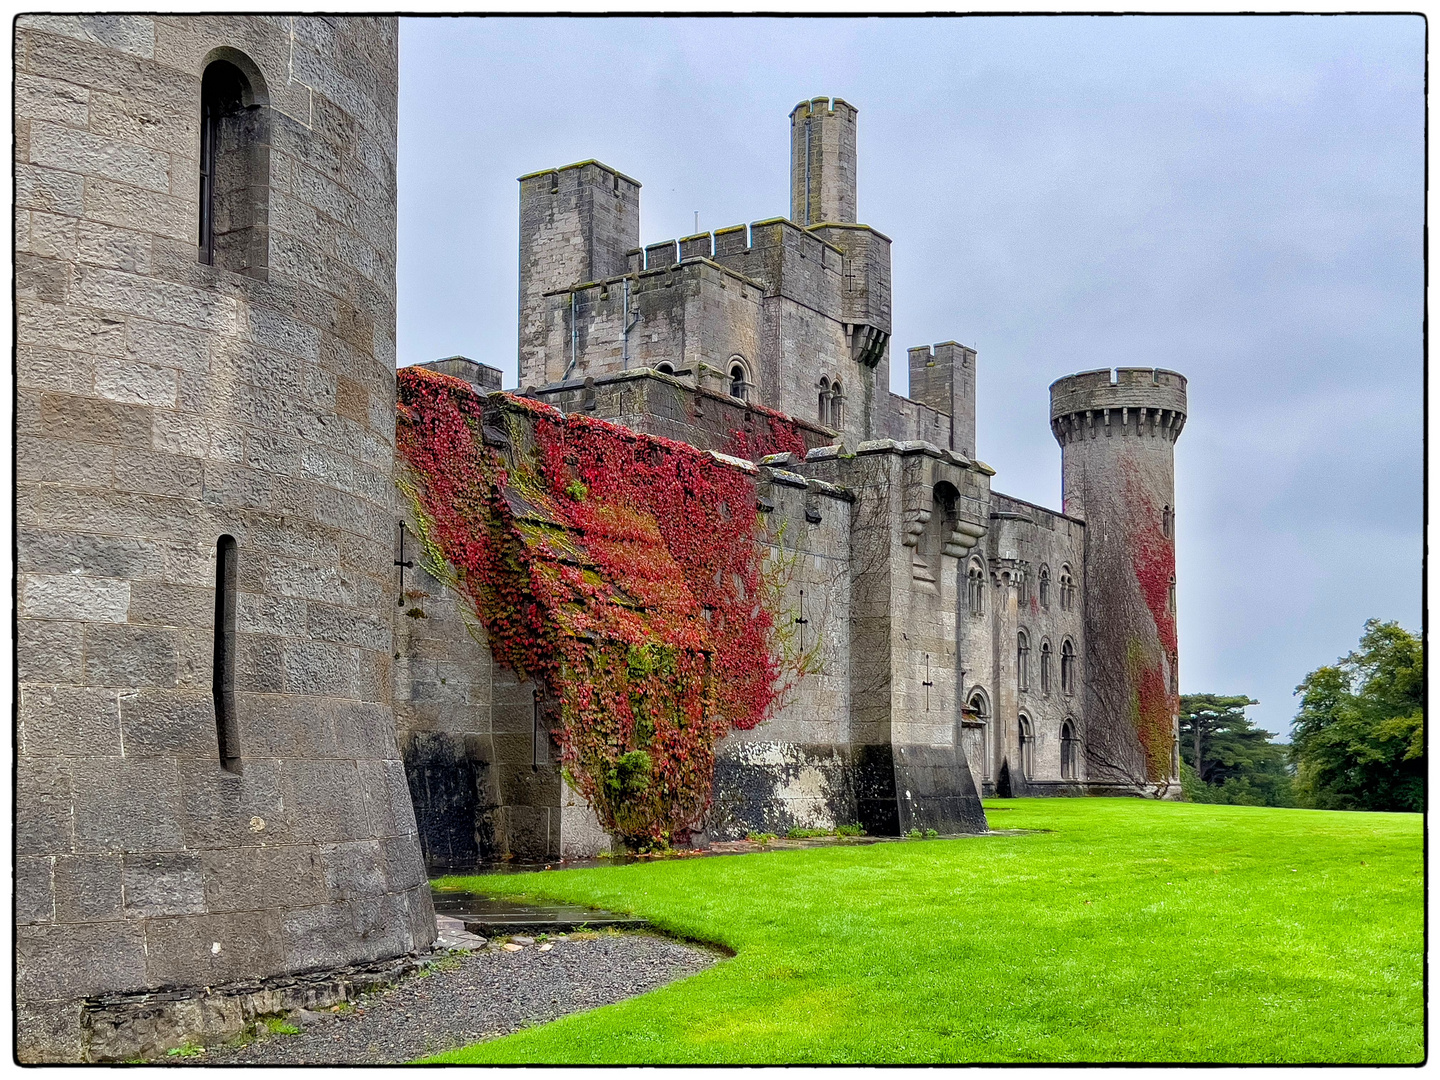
pixel 1225 758
pixel 1359 740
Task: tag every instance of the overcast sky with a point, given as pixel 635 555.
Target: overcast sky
pixel 1240 199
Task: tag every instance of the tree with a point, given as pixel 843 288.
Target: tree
pixel 1230 760
pixel 1359 740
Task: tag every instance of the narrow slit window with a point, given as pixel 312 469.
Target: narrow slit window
pixel 234 172
pixel 227 727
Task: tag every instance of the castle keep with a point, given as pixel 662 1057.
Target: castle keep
pixel 250 718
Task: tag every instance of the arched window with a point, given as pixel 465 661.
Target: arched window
pixel 1170 596
pixel 739 384
pixel 1067 667
pixel 837 405
pixel 975 583
pixel 824 407
pixel 1022 660
pixel 1045 667
pixel 976 730
pixel 1067 589
pixel 1174 673
pixel 1027 748
pixel 1044 586
pixel 1067 751
pixel 1022 590
pixel 1167 521
pixel 234 170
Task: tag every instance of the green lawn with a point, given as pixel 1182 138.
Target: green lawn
pixel 1133 931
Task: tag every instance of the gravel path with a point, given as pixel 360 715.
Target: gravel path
pixel 488 993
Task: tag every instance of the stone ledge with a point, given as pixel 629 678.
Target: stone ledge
pixel 122 1027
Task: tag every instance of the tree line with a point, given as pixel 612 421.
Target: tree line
pixel 1358 741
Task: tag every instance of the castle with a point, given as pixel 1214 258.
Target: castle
pixel 249 717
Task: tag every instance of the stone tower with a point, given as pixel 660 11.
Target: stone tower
pixel 208 785
pixel 576 225
pixel 822 162
pixel 1117 437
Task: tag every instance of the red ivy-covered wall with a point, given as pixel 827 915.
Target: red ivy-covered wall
pixel 1152 556
pixel 621 571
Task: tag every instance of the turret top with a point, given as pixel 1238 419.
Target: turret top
pixel 1134 388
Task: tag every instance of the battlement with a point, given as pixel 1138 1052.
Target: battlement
pixel 1093 403
pixel 838 108
pixel 600 166
pixel 733 241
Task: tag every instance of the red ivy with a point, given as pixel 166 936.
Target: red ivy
pixel 1152 555
pixel 778 434
pixel 621 571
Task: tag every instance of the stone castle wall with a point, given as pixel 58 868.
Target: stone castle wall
pixel 162 404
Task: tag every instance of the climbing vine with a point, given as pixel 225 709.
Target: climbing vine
pixel 777 434
pixel 620 572
pixel 1152 556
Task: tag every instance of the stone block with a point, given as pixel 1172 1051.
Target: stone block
pixel 225 809
pixel 48 651
pixel 116 249
pixel 48 1032
pixel 347 626
pixel 182 950
pixel 88 888
pixel 159 603
pixel 39 278
pixel 132 294
pixel 71 554
pixel 34 890
pixel 133 35
pixel 92 420
pixel 166 883
pixel 43 823
pixel 331 793
pixel 319 937
pixel 275 615
pixel 259 665
pixel 57 146
pixel 354 870
pixel 56 370
pixel 147 123
pixel 66 596
pixel 151 473
pixel 38 98
pixel 61 962
pixel 132 656
pixel 313 667
pixel 176 723
pixel 49 189
pixel 127 805
pixel 120 204
pixel 69 721
pixel 164 344
pixel 253 878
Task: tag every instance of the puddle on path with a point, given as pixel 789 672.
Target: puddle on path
pixel 488 917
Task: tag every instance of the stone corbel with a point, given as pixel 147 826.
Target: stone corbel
pixel 963 539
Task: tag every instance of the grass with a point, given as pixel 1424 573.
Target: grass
pixel 1132 931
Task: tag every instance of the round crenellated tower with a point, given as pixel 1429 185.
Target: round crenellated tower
pixel 1117 437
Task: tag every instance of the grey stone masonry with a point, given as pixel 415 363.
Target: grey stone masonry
pixel 1117 433
pixel 204 800
pixel 822 162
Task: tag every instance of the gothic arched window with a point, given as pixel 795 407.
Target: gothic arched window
pixel 1022 660
pixel 1067 589
pixel 739 383
pixel 1067 667
pixel 837 403
pixel 1044 586
pixel 1045 667
pixel 1027 748
pixel 1067 751
pixel 234 169
pixel 977 744
pixel 824 407
pixel 975 583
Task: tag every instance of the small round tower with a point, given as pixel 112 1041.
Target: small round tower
pixel 1117 437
